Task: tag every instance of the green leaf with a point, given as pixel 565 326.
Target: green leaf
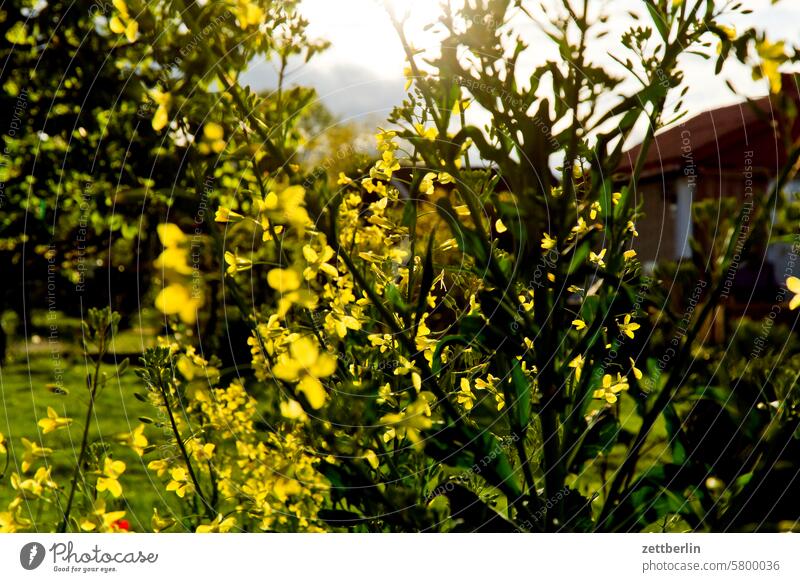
pixel 468 240
pixel 578 257
pixel 659 20
pixel 395 297
pixel 409 219
pixel 459 445
pixel 520 397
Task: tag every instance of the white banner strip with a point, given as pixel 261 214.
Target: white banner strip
pixel 399 557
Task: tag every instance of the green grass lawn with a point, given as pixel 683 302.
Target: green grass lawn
pixel 27 389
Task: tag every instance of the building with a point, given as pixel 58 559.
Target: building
pixel 727 157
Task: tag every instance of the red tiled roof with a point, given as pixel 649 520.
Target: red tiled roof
pixel 715 140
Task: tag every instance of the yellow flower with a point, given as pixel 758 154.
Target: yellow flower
pixel 173 259
pixel 248 13
pixel 616 197
pixel 388 164
pixel 371 458
pixel 337 321
pixel 793 284
pixel 632 228
pixel 170 235
pixel 175 299
pixel 159 523
pixel 201 452
pixel 32 452
pixel 344 180
pixel 629 254
pixel 291 207
pixel 101 521
pixel 219 525
pixel 161 117
pixel 526 302
pixel 180 482
pixel 385 139
pixel 109 481
pixel 627 327
pixel 637 373
pixel 579 324
pixel 465 396
pixel 236 263
pixel 34 487
pixel 12 521
pixel 283 280
pixel 227 215
pixel 135 440
pixel 499 226
pixel 611 387
pixel 488 384
pixel 548 242
pixel 429 133
pixel 159 466
pixel 772 54
pixel 577 363
pixel 287 282
pixel 293 410
pixel 305 365
pixel 408 73
pixel 53 421
pixel 594 209
pixel 445 178
pixel 426 185
pixel 123 24
pixel 597 258
pixel 318 261
pixel 581 227
pixel 213 139
pixel 3 450
pixel 414 419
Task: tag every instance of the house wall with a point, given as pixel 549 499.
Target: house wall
pixel 656 226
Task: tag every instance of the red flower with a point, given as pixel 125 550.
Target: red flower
pixel 122 524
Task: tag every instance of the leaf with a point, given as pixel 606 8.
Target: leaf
pixel 658 20
pixel 675 434
pixel 649 500
pixel 395 297
pixel 459 445
pixel 598 437
pixel 578 258
pixel 472 513
pixel 468 240
pixel 519 400
pixel 409 219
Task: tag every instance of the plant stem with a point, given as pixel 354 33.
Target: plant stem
pixel 84 442
pixel 209 508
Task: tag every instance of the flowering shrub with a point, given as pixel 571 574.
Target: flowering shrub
pixel 435 345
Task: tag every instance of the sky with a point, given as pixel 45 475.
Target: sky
pixel 360 77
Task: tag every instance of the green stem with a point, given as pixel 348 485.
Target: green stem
pixel 210 511
pixel 84 442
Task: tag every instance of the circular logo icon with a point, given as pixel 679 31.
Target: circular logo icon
pixel 31 555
